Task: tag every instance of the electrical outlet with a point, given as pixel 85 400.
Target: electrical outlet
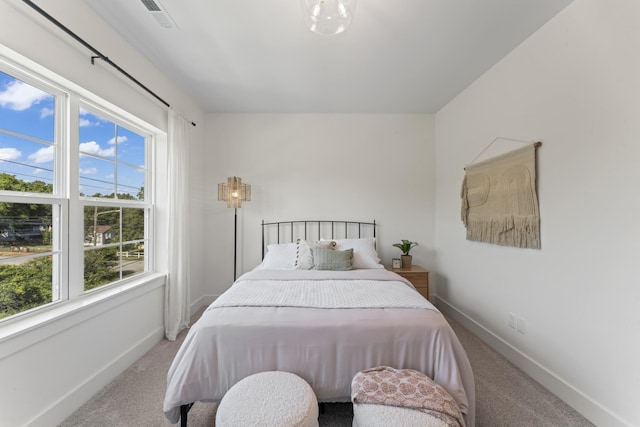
pixel 521 325
pixel 512 320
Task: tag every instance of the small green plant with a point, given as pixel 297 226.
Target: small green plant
pixel 405 246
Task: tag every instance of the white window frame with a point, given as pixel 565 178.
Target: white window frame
pixel 147 204
pixel 68 236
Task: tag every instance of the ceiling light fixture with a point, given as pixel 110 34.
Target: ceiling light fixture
pixel 328 17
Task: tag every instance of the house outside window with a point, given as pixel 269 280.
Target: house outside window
pixel 75 194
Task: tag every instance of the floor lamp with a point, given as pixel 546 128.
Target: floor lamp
pixel 234 192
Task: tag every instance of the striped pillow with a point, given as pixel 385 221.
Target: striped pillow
pixel 304 257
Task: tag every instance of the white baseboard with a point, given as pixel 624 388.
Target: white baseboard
pixel 77 397
pixel 203 301
pixel 590 409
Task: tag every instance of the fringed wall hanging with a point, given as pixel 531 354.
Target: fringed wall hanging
pixel 500 201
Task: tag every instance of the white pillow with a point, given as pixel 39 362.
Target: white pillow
pixel 304 256
pixel 364 251
pixel 280 256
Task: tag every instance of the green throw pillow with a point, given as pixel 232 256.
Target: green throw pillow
pixel 326 259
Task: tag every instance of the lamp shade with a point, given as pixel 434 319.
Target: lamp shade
pixel 328 17
pixel 234 192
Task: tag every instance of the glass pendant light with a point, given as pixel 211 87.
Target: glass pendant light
pixel 328 17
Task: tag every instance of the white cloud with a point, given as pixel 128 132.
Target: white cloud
pixel 19 96
pixel 121 139
pixel 37 171
pixel 88 171
pixel 93 147
pixel 110 176
pixel 43 155
pixel 46 112
pixel 9 153
pixel 87 118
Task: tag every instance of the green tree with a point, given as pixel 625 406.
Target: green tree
pixel 100 267
pixel 47 236
pixel 133 223
pixel 28 285
pixel 18 219
pixel 25 286
pixel 9 182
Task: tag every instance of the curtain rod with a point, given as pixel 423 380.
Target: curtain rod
pixel 97 53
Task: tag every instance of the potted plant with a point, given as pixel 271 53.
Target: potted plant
pixel 405 246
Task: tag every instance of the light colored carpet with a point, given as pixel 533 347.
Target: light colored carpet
pixel 505 396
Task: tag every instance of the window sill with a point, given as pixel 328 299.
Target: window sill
pixel 30 328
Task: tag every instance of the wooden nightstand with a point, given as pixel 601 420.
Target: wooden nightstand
pixel 417 275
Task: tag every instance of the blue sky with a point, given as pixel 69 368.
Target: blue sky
pixel 109 154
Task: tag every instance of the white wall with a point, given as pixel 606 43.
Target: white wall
pixel 574 86
pixel 349 167
pixel 50 371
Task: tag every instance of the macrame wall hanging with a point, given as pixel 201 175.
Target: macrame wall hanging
pixel 499 198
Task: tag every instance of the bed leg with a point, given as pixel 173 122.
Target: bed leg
pixel 184 409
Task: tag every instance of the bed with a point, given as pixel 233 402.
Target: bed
pixel 323 310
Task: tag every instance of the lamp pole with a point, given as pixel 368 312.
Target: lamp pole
pixel 235 239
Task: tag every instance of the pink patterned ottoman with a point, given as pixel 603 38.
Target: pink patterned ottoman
pixel 384 396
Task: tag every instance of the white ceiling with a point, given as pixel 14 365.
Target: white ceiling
pixel 398 56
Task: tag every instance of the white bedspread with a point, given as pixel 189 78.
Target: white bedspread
pixel 322 289
pixel 315 324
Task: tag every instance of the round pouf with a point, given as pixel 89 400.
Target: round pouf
pixel 269 399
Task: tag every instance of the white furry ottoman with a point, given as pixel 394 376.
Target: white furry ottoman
pixel 269 399
pixel 372 415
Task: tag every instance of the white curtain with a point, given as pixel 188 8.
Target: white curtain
pixel 177 295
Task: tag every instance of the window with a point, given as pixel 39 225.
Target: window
pixel 112 177
pixel 68 194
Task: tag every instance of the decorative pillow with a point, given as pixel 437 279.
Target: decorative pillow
pixel 304 257
pixel 280 256
pixel 364 252
pixel 328 259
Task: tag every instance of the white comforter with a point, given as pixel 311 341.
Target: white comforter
pixel 324 326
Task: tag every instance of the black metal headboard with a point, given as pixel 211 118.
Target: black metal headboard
pixel 291 231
